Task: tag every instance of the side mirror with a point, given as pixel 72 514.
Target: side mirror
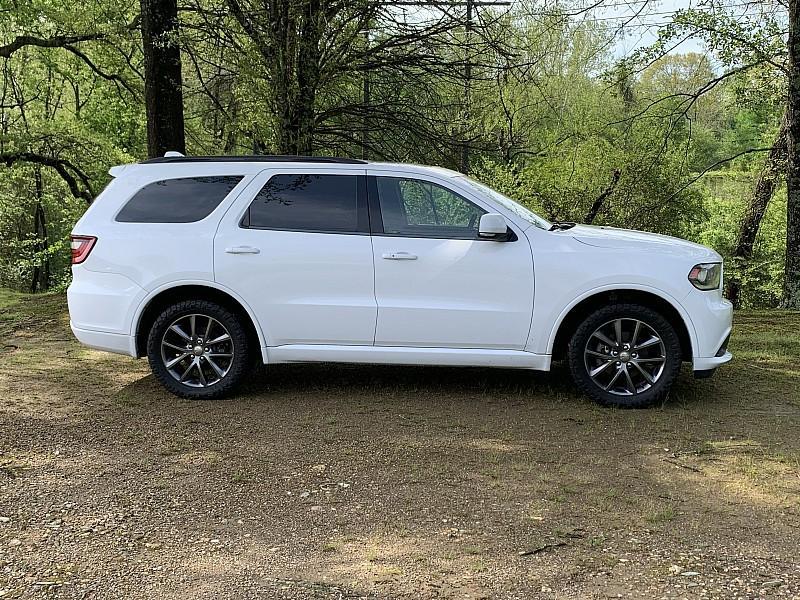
pixel 493 226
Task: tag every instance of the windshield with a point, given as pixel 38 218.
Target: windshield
pixel 510 204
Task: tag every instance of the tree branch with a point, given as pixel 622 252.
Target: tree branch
pixel 62 167
pixel 108 77
pixel 598 202
pixel 58 41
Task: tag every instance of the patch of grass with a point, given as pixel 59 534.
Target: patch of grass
pixel 661 516
pixel 771 339
pixel 478 566
pixel 597 541
pixel 8 298
pixel 239 477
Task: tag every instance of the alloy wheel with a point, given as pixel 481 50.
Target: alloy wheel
pixel 197 350
pixel 625 357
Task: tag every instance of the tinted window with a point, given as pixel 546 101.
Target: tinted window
pixel 177 200
pixel 318 203
pixel 419 208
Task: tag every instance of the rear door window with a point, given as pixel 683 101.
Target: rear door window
pixel 183 200
pixel 316 203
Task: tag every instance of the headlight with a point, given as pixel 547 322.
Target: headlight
pixel 706 276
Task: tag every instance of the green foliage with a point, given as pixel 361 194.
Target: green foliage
pixel 557 124
pixel 725 195
pixel 20 249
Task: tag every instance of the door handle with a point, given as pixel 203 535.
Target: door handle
pixel 399 256
pixel 242 250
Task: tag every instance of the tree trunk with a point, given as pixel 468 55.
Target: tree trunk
pixel 768 180
pixel 791 285
pixel 308 72
pixel 40 278
pixel 162 82
pixel 464 160
pixel 297 31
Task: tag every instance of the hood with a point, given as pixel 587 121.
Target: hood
pixel 611 237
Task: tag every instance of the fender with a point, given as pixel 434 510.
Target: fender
pixel 262 336
pixel 690 328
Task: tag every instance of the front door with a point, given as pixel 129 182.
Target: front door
pixel 298 250
pixel 436 283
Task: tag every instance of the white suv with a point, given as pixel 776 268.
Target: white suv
pixel 209 264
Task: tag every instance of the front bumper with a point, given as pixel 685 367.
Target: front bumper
pixel 707 364
pixel 712 317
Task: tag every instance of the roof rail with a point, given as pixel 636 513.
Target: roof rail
pixel 172 158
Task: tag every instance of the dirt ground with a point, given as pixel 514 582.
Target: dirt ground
pixel 347 482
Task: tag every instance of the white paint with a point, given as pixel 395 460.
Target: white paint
pixel 377 299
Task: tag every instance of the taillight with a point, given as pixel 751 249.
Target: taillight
pixel 81 247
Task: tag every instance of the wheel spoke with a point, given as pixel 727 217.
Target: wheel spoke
pixel 655 359
pixel 180 332
pixel 603 338
pixel 174 347
pixel 598 354
pixel 203 381
pixel 189 368
pixel 223 338
pixel 618 331
pixel 644 373
pixel 647 343
pixel 218 355
pixel 614 379
pixel 192 325
pixel 635 333
pixel 600 369
pixel 175 361
pixel 208 329
pixel 631 386
pixel 220 373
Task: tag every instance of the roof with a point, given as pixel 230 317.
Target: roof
pixel 175 158
pixel 178 164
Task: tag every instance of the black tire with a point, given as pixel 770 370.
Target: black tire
pixel 642 396
pixel 225 322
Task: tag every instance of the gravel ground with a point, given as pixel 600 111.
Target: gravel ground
pixel 326 481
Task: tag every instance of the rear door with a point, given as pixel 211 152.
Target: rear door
pixel 296 247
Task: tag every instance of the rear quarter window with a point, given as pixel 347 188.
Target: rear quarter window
pixel 182 200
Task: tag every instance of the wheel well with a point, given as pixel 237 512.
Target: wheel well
pixel 191 292
pixel 585 307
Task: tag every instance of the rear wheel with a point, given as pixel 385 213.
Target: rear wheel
pixel 625 355
pixel 198 349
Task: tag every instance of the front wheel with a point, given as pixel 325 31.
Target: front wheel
pixel 198 349
pixel 625 355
